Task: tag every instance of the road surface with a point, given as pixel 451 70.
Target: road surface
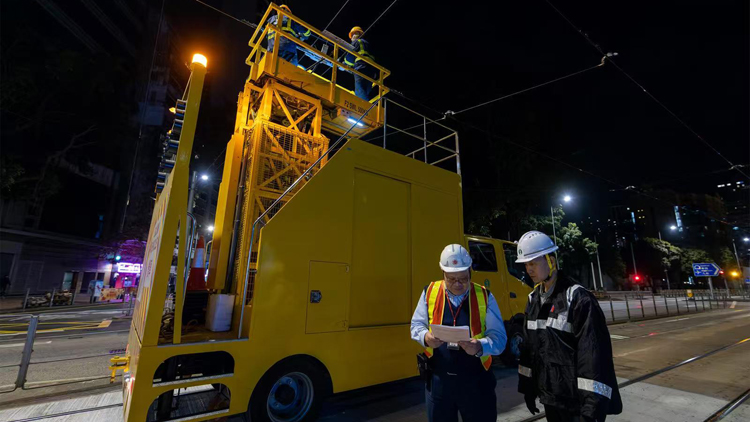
pixel 659 356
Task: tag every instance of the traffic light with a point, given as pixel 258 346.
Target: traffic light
pixel 118 257
pixel 721 272
pixel 637 277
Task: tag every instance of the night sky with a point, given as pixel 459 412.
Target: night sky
pixel 693 56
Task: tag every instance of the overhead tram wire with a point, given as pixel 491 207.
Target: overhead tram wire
pixel 449 114
pixel 682 122
pixel 378 18
pixel 547 156
pixel 531 88
pixel 242 21
pixel 336 15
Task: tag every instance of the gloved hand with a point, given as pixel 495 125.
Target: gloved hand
pixel 531 403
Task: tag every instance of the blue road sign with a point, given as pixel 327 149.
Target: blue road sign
pixel 706 270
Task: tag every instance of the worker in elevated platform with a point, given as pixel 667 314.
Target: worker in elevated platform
pixel 458 376
pixel 566 360
pixel 287 48
pixel 362 87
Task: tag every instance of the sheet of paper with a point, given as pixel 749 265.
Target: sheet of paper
pixel 450 334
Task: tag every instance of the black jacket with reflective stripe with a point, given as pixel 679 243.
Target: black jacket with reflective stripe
pixel 566 359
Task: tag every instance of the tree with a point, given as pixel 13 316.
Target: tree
pixel 726 259
pixel 690 256
pixel 668 253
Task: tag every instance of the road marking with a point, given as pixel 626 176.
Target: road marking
pixel 21 344
pixel 734 303
pixel 105 323
pixel 678 319
pixel 618 337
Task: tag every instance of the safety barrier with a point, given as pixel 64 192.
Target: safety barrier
pixel 621 306
pixel 26 376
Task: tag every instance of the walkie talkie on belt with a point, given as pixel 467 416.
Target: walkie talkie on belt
pixel 425 370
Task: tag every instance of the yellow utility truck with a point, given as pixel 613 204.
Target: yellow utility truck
pixel 320 251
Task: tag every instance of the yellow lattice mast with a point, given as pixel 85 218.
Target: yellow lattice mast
pixel 281 115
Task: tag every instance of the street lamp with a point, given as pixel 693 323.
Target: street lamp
pixel 673 228
pixel 746 239
pixel 566 199
pixel 204 177
pixel 210 229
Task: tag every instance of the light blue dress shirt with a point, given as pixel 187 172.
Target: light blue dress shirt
pixel 494 339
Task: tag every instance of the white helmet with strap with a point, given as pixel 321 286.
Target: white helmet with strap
pixel 455 258
pixel 534 244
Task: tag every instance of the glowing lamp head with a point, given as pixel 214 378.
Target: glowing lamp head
pixel 210 228
pixel 200 58
pixel 735 273
pixel 567 198
pixel 637 278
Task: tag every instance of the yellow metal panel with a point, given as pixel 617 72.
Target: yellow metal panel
pixel 224 224
pixel 381 258
pixel 317 224
pixel 432 209
pixel 328 295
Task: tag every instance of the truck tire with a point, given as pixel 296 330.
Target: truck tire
pixel 291 391
pixel 512 352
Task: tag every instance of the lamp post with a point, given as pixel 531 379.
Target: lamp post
pixel 566 199
pixel 193 181
pixel 666 273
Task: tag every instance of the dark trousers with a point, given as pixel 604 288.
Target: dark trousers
pixel 473 396
pixel 555 414
pixel 362 87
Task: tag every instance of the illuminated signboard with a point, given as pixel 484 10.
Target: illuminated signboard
pixel 128 268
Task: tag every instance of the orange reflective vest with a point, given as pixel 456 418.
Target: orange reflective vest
pixel 478 297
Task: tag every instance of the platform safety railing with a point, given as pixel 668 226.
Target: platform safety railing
pixel 333 60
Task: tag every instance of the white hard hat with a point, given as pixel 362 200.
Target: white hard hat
pixel 534 244
pixel 455 258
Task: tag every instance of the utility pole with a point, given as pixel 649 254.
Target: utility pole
pixel 593 276
pixel 632 255
pixel 599 264
pixel 739 267
pixel 191 196
pixel 666 273
pixel 554 235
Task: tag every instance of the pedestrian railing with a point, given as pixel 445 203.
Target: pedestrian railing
pixel 32 373
pixel 621 306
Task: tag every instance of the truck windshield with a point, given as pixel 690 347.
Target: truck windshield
pixel 483 257
pixel 515 269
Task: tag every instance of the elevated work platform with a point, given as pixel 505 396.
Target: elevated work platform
pixel 319 73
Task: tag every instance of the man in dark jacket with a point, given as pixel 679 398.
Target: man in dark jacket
pixel 566 360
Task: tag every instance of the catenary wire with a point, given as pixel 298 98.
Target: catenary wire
pixel 533 87
pixel 242 21
pixel 378 18
pixel 650 95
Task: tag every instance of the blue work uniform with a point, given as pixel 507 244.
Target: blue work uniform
pixel 459 381
pixel 362 87
pixel 287 48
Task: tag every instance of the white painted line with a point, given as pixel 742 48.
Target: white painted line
pixel 618 337
pixel 678 319
pixel 734 303
pixel 21 344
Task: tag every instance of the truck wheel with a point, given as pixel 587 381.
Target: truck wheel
pixel 512 353
pixel 291 391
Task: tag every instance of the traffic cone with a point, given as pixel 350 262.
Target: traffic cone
pixel 197 278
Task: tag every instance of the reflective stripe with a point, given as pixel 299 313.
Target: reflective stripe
pixel 478 298
pixel 560 323
pixel 526 372
pixel 595 387
pixel 539 324
pixel 570 292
